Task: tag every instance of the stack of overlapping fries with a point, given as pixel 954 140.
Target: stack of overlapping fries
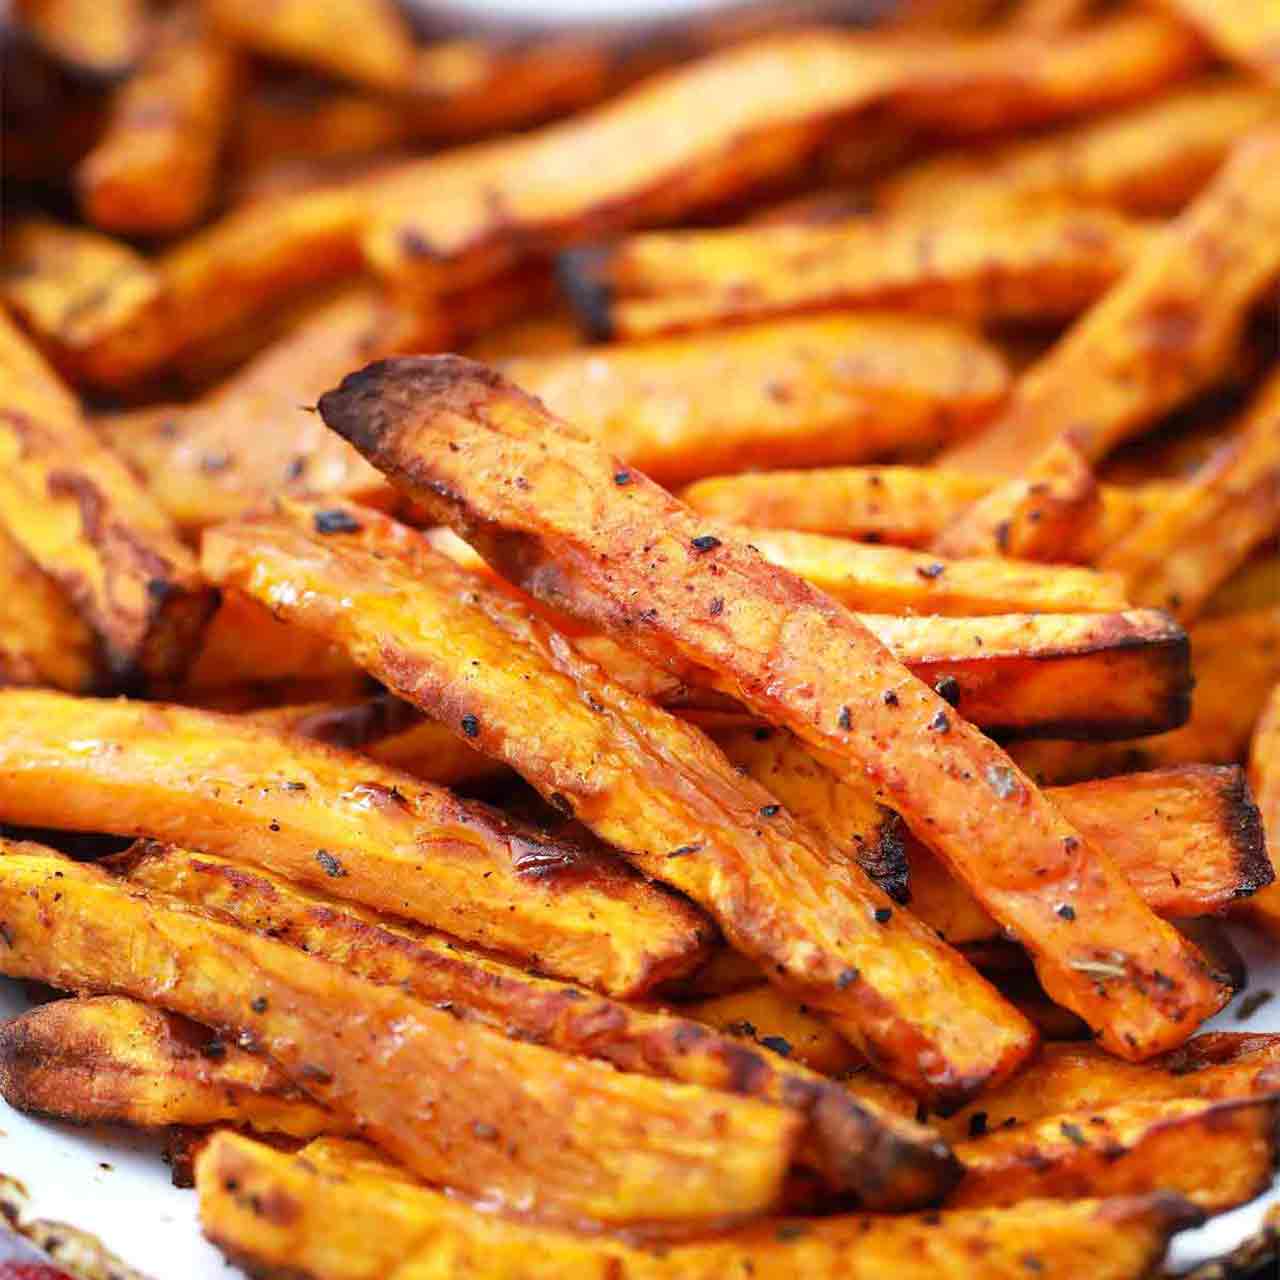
pixel 741 772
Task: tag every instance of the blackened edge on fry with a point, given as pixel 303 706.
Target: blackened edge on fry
pixel 1242 822
pixel 583 276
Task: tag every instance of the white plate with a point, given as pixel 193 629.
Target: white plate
pixel 133 1209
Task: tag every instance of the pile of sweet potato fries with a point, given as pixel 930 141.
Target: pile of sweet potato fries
pixel 740 772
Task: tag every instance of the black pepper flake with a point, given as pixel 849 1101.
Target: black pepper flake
pixel 1002 780
pixel 258 1004
pixel 1067 911
pixel 977 1124
pixel 293 786
pixel 742 1028
pixel 762 733
pixel 335 520
pixel 882 915
pixel 791 1231
pixel 330 865
pixel 621 478
pixel 704 542
pixel 561 803
pixel 846 978
pixel 778 1044
pixel 470 726
pixel 889 698
pixel 1251 1003
pixel 941 723
pixel 1002 534
pixel 769 810
pixel 948 689
pixel 1073 1133
pixel 717 607
pixel 845 718
pixel 1070 843
pixel 273 825
pixel 684 849
pixel 485 1132
pixel 213 1050
pixel 931 571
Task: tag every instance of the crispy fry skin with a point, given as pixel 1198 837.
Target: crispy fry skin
pixel 98 38
pixel 368 41
pixel 1149 158
pixel 906 506
pixel 362 831
pixel 895 580
pixel 1165 332
pixel 1235 660
pixel 456 1101
pixel 1043 265
pixel 1180 554
pixel 860 1149
pixel 70 286
pixel 648 783
pixel 1218 1153
pixel 1264 777
pixel 1246 31
pixel 832 389
pixel 111 1060
pixel 630 559
pixel 153 172
pixel 80 515
pixel 335 1214
pixel 751 115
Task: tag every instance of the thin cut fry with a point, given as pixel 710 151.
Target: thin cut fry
pixel 859 1149
pixel 1264 776
pixel 628 558
pixel 832 389
pixel 646 782
pixel 1246 31
pixel 99 38
pixel 83 518
pixel 340 821
pixel 456 1101
pixel 343 1217
pixel 154 169
pixel 1165 332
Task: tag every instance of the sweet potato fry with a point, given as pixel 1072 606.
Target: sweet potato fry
pixel 1264 776
pixel 325 817
pixel 860 1150
pixel 1178 555
pixel 1255 586
pixel 648 783
pixel 97 38
pixel 752 115
pixel 80 515
pixel 343 1217
pixel 906 506
pixel 1246 31
pixel 71 287
pixel 1218 1153
pixel 111 1060
pixel 834 389
pixel 456 1101
pixel 154 169
pixel 629 558
pixel 1235 661
pixel 1045 264
pixel 1164 333
pixel 1150 158
pixel 368 41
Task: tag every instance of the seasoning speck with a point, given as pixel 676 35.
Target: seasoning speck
pixel 1067 911
pixel 977 1124
pixel 931 571
pixel 882 915
pixel 948 689
pixel 258 1004
pixel 621 478
pixel 940 723
pixel 335 520
pixel 769 810
pixel 330 865
pixel 704 542
pixel 1073 1133
pixel 1002 780
pixel 845 718
pixel 470 726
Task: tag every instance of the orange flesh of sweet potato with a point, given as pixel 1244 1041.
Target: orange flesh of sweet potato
pixel 1246 31
pixel 1264 776
pixel 94 37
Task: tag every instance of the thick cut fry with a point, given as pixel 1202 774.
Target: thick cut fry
pixel 1255 586
pixel 1042 265
pixel 83 518
pixel 154 169
pixel 906 506
pixel 1246 31
pixel 646 782
pixel 368 41
pixel 834 389
pixel 1235 661
pixel 110 1060
pixel 895 580
pixel 71 287
pixel 1264 777
pixel 1219 1154
pixel 337 1215
pixel 99 38
pixel 455 1101
pixel 630 559
pixel 341 821
pixel 1150 158
pixel 1180 554
pixel 860 1150
pixel 751 115
pixel 1165 332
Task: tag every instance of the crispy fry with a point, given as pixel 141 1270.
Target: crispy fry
pixel 1246 31
pixel 368 41
pixel 1235 660
pixel 111 1060
pixel 751 115
pixel 80 515
pixel 339 820
pixel 1219 1154
pixel 1042 265
pixel 331 1196
pixel 1150 158
pixel 1165 332
pixel 98 38
pixel 861 1150
pixel 1264 777
pixel 454 1100
pixel 1177 557
pixel 906 506
pixel 628 557
pixel 651 785
pixel 1255 586
pixel 154 169
pixel 832 389
pixel 71 287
